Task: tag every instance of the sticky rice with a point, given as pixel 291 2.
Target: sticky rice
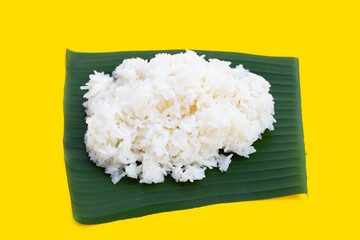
pixel 170 116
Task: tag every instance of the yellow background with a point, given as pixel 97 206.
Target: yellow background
pixel 35 201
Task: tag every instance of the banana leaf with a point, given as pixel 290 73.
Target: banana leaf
pixel 276 169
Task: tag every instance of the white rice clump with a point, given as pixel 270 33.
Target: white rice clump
pixel 172 114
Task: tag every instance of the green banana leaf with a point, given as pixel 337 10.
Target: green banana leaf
pixel 276 169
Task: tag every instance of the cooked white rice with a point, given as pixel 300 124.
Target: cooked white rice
pixel 172 114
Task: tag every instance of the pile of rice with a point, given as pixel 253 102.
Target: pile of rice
pixel 172 114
